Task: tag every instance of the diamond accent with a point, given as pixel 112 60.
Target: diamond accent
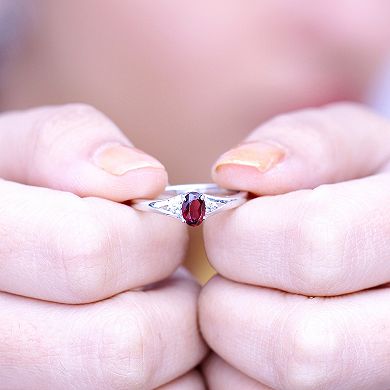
pixel 171 206
pixel 214 203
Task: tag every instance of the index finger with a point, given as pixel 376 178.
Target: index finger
pixel 328 240
pixel 60 247
pixel 307 148
pixel 78 149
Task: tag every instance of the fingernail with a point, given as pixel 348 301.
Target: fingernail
pixel 118 159
pixel 259 155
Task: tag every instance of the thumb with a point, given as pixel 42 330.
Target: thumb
pixel 76 148
pixel 306 149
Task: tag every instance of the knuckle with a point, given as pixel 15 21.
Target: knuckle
pixel 60 124
pixel 322 234
pixel 317 128
pixel 61 120
pixel 123 354
pixel 315 344
pixel 84 246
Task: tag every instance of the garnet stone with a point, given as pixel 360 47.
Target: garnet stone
pixel 193 208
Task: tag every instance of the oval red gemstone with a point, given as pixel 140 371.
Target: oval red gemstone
pixel 193 208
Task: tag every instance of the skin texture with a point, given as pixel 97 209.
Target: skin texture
pixel 288 341
pixel 76 303
pixel 329 241
pixel 129 341
pixel 305 241
pixel 88 248
pixel 59 247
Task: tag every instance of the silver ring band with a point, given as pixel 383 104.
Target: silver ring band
pixel 192 203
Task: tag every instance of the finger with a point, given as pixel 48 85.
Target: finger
pixel 191 381
pixel 136 340
pixel 292 342
pixel 328 241
pixel 221 375
pixel 76 148
pixel 57 246
pixel 306 149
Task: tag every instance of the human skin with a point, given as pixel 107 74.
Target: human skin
pixel 70 253
pixel 167 72
pixel 303 265
pixel 301 300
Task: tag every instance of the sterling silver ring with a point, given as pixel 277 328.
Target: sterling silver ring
pixel 192 203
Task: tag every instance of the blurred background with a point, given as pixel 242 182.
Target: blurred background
pixel 187 80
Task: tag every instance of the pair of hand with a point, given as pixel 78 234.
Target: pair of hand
pixel 73 259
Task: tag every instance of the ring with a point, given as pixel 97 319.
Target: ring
pixel 192 203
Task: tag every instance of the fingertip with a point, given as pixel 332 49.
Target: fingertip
pixel 76 148
pixel 86 180
pixel 259 155
pixel 246 166
pixel 117 159
pixel 145 183
pixel 135 173
pixel 238 177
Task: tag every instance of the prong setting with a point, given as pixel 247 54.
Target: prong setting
pixel 192 204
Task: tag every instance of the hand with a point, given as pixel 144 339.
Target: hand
pixel 70 254
pixel 294 306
